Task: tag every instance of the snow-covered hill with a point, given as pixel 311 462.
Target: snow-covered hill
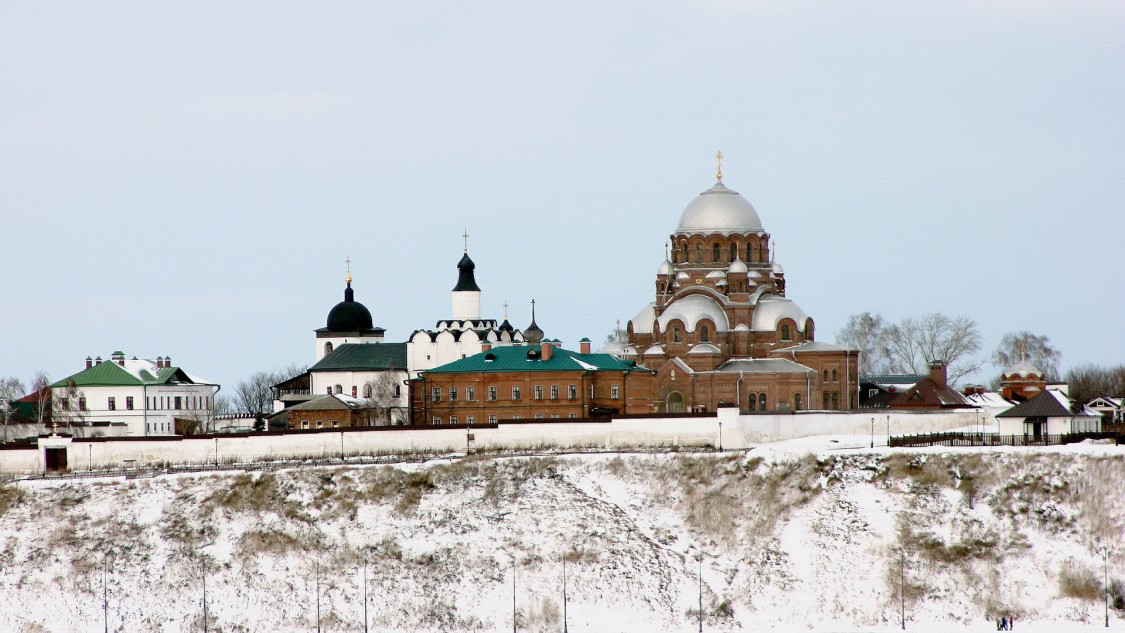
pixel 789 539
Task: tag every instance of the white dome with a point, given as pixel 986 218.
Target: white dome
pixel 665 268
pixel 719 210
pixel 692 309
pixel 777 269
pixel 771 309
pixel 654 351
pixel 704 348
pixel 716 274
pixel 737 266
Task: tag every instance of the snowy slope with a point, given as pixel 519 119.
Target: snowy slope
pixel 790 538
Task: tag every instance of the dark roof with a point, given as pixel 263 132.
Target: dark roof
pixel 927 394
pixel 349 315
pixel 519 358
pixel 465 278
pixel 363 357
pixel 1044 405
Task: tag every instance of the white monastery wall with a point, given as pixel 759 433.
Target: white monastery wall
pixel 728 429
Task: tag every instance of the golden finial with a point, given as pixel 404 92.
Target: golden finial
pixel 719 172
pixel 1023 350
pixel 348 263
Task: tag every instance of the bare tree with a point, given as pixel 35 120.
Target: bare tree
pixel 1015 345
pixel 1086 382
pixel 254 396
pixel 11 389
pixel 41 387
pixel 913 342
pixel 867 333
pixel 66 407
pixel 381 396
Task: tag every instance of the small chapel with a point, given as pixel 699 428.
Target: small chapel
pixel 721 330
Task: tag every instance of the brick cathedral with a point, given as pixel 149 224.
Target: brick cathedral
pixel 721 330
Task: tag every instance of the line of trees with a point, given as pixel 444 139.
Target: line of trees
pixel 254 395
pixel 908 346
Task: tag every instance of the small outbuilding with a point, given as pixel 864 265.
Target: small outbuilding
pixel 1049 413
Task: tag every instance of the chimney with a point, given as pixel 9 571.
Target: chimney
pixel 545 350
pixel 98 360
pixel 89 362
pixel 167 362
pixel 937 373
pixel 584 346
pixel 119 358
pixel 980 390
pixel 970 390
pixel 485 347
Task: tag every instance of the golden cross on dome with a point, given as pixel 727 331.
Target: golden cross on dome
pixel 466 236
pixel 719 172
pixel 1023 350
pixel 505 309
pixel 348 263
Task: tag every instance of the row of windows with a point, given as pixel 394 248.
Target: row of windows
pixel 319 424
pixel 835 378
pixel 339 389
pixel 154 403
pixel 492 418
pixel 717 253
pixel 758 402
pixel 159 427
pixel 517 393
pixel 704 334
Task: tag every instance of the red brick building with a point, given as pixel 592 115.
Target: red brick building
pixel 529 382
pixel 721 329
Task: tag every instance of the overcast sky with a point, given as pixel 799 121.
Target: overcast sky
pixel 186 178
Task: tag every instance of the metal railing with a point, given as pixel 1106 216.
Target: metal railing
pixel 955 438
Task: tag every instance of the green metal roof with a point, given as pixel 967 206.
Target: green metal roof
pixel 364 357
pixel 106 374
pixel 519 358
pixel 136 373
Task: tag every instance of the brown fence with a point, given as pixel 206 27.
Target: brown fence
pixel 954 438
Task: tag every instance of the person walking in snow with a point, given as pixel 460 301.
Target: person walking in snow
pixel 1004 623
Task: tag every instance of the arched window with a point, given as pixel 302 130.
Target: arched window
pixel 825 399
pixel 676 333
pixel 825 375
pixel 683 254
pixel 835 400
pixel 809 330
pixel 762 401
pixel 753 401
pixel 834 377
pixel 327 348
pixel 796 402
pixel 704 334
pixel 699 253
pixel 733 252
pixel 762 252
pixel 716 253
pixel 749 252
pixel 785 334
pixel 367 390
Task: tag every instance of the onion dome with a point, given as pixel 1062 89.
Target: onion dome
pixel 737 266
pixel 719 210
pixel 349 315
pixel 665 268
pixel 533 334
pixel 465 278
pixel 777 269
pixel 1023 369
